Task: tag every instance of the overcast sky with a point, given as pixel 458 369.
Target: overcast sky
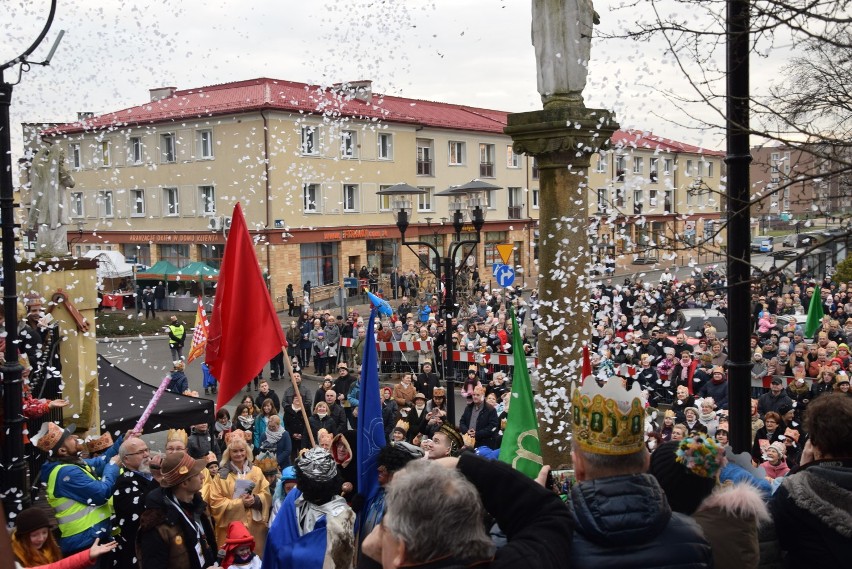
pixel 475 52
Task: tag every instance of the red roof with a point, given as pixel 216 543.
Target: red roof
pixel 648 140
pixel 273 94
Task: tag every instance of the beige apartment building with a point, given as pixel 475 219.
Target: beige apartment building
pixel 159 181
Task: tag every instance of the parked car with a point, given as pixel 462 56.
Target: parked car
pixel 762 244
pixel 796 240
pixel 691 321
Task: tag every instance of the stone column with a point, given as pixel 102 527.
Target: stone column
pixel 562 139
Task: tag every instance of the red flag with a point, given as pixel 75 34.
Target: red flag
pixel 200 333
pixel 245 332
pixel 587 364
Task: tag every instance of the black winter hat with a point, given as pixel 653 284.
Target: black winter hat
pixel 684 490
pixel 30 520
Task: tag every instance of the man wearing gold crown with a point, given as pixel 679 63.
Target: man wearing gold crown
pixel 620 513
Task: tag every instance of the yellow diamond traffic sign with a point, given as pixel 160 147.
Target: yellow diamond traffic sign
pixel 505 250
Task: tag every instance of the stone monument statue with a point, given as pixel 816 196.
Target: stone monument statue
pixel 49 178
pixel 562 37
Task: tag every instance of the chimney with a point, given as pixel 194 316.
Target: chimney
pixel 361 90
pixel 161 93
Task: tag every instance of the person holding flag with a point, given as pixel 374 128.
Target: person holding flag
pixel 199 334
pixel 815 313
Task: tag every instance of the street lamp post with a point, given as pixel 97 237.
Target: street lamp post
pixel 13 468
pixel 467 198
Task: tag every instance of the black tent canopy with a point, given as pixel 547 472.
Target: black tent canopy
pixel 123 399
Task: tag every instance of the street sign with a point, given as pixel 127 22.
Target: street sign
pixel 496 267
pixel 350 282
pixel 505 275
pixel 505 250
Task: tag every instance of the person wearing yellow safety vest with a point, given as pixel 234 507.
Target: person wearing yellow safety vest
pixel 78 490
pixel 177 336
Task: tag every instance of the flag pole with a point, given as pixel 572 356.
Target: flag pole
pixel 298 395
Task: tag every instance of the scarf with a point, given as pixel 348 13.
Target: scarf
pixel 272 437
pixel 220 428
pixel 706 417
pixel 246 422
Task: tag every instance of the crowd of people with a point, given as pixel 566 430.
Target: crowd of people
pixel 274 484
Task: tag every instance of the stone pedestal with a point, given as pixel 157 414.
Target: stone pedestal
pixel 562 139
pixel 69 289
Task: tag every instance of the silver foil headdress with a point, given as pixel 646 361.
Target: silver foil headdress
pixel 317 464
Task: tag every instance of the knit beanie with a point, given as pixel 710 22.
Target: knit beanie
pixel 687 471
pixel 30 520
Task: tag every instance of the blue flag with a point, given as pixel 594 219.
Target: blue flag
pixel 371 430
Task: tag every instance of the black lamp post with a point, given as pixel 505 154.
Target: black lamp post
pixel 13 468
pixel 467 198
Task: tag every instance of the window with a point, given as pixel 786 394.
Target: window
pixel 424 158
pixel 601 165
pixel 137 203
pixel 137 254
pixel 211 255
pixel 177 255
pixel 76 156
pixel 167 148
pixel 774 158
pixel 512 160
pixel 76 199
pixel 105 204
pixel 690 197
pixel 490 200
pixel 534 198
pixel 668 201
pixel 654 164
pixel 207 199
pixel 620 167
pixel 486 160
pixel 652 198
pixel 205 144
pixel 384 201
pixel 492 239
pixel 171 202
pixel 619 197
pixel 667 166
pixel 786 163
pixel 385 146
pixel 708 169
pixel 603 200
pixel 689 167
pixel 319 263
pixel 637 164
pixel 134 151
pixel 457 153
pixel 534 172
pixel 351 199
pixel 381 253
pixel 310 141
pixel 349 144
pixel 638 198
pixel 310 198
pixel 516 206
pixel 424 201
pixel 104 153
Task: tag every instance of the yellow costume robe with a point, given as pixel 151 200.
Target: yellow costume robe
pixel 227 509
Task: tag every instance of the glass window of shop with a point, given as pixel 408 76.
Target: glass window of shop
pixel 319 263
pixel 212 255
pixel 137 254
pixel 177 255
pixel 382 254
pixel 492 239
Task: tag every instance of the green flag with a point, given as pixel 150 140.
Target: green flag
pixel 815 313
pixel 521 447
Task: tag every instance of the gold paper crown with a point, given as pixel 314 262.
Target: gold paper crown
pixel 608 420
pixel 176 435
pixel 266 463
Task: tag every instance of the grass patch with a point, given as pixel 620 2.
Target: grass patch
pixel 111 324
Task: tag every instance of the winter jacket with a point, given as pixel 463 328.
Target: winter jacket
pixel 730 518
pixel 625 521
pixel 165 538
pixel 199 444
pixel 486 425
pixel 77 561
pixel 778 471
pixel 128 500
pixel 812 510
pixel 178 383
pixel 718 391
